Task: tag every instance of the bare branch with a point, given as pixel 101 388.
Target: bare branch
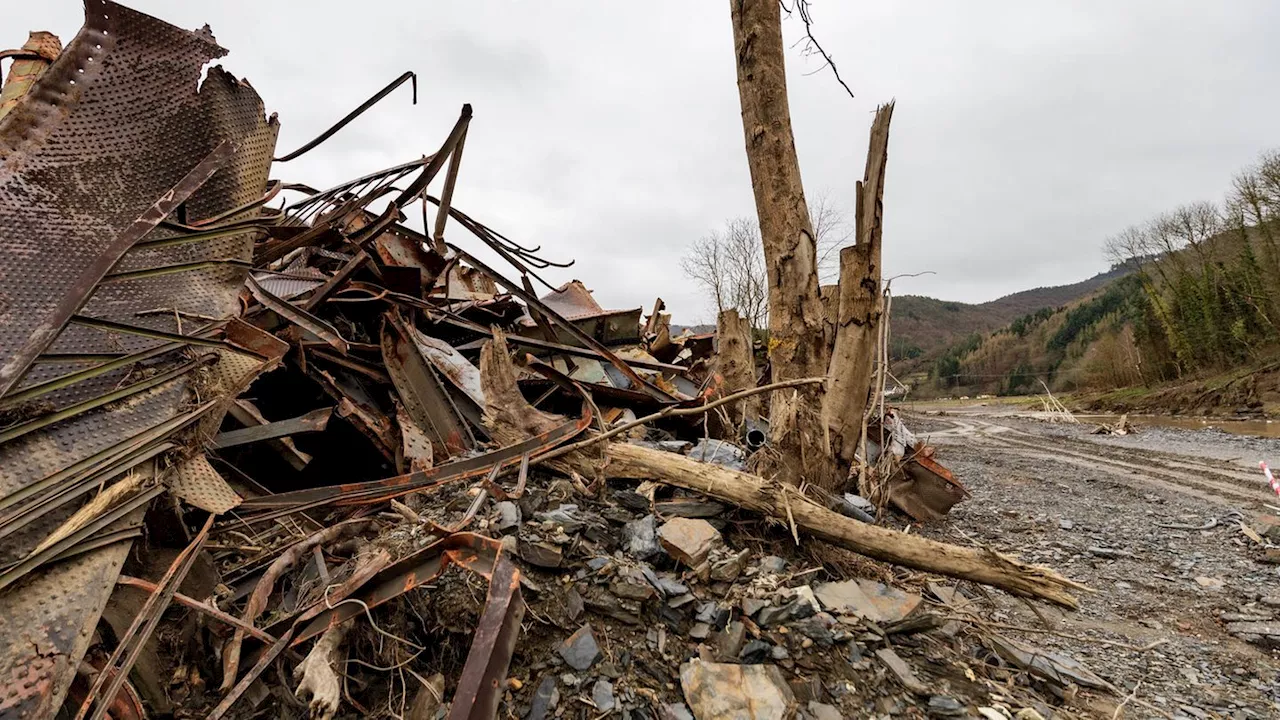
pixel 811 44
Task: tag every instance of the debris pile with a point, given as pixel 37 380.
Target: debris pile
pixel 263 461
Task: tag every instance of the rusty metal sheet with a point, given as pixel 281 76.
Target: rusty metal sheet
pixel 108 130
pixel 924 489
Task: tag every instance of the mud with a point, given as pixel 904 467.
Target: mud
pixel 1092 507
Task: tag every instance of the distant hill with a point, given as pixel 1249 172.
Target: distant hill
pixel 922 326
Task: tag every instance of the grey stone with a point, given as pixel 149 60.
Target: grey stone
pixel 756 651
pixel 602 695
pixel 573 604
pixel 724 691
pixel 797 609
pixel 943 706
pixel 700 631
pixel 729 641
pixel 817 628
pixel 565 516
pixel 822 711
pixel 713 614
pixel 580 650
pixel 598 563
pixel 541 554
pixel 1066 524
pixel 640 538
pixel 674 711
pixel 751 606
pixel 671 587
pixel 729 569
pixel 508 516
pixel 545 699
pixel 901 670
pixel 868 599
pixel 679 601
pixel 631 583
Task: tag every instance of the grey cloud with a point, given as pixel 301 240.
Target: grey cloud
pixel 1025 132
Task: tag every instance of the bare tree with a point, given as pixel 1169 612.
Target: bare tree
pixel 729 263
pixel 798 334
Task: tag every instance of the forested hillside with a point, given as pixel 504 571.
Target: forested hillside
pixel 1202 297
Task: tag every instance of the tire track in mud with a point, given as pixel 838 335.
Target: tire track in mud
pixel 1135 467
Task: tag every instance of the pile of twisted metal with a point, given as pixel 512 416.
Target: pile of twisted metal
pixel 202 389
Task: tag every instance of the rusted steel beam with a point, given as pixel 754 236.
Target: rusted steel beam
pixel 446 195
pixel 131 643
pixel 483 676
pixel 314 421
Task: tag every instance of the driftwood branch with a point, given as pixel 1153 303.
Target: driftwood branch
pixel 786 504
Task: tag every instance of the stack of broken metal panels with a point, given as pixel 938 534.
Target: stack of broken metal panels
pixel 185 371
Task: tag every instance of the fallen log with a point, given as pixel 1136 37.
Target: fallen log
pixel 786 503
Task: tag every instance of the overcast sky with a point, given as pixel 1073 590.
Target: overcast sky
pixel 610 132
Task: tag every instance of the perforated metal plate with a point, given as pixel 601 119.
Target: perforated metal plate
pixel 112 126
pixel 199 484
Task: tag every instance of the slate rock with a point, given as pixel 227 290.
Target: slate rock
pixel 541 554
pixel 751 606
pixel 822 711
pixel 573 604
pixel 688 540
pixel 565 516
pixel 602 695
pixel 729 642
pixel 724 691
pixel 901 670
pixel 580 650
pixel 545 699
pixel 631 583
pixel 943 706
pixel 507 516
pixel 674 711
pixel 640 538
pixel 700 631
pixel 756 651
pixel 797 609
pixel 867 599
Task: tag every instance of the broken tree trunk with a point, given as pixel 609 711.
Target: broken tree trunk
pixel 861 303
pixel 786 504
pixel 797 321
pixel 735 363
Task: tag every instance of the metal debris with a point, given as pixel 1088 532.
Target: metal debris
pixel 252 388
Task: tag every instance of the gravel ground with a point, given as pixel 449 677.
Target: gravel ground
pixel 1092 507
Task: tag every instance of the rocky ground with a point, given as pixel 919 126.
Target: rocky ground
pixel 1181 621
pixel 645 602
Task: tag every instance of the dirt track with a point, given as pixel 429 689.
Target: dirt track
pixel 1092 507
